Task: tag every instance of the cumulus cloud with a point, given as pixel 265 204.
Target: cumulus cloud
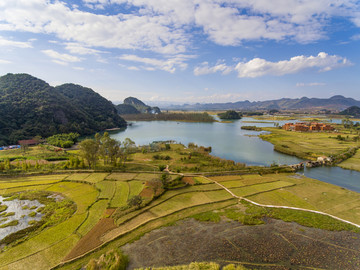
pixel 151 64
pixel 167 26
pixel 11 43
pixel 77 48
pixel 258 67
pixel 204 68
pixel 62 59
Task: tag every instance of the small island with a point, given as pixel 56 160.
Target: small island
pixel 230 115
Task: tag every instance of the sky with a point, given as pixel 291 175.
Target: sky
pixel 187 51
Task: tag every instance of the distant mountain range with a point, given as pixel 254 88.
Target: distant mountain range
pixel 30 106
pixel 335 103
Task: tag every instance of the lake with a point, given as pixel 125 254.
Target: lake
pixel 229 141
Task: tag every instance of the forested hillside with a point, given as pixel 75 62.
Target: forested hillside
pixel 30 106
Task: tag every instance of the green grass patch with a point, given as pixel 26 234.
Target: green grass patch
pixel 9 224
pixel 107 189
pixel 226 178
pixel 253 189
pixel 121 194
pixel 96 211
pixel 113 259
pixel 121 176
pixel 146 176
pixel 3 207
pixel 47 177
pixel 208 216
pixel 77 176
pixel 96 177
pixel 312 220
pixel 135 188
pixel 9 185
pixel 307 144
pixel 202 180
pixel 352 163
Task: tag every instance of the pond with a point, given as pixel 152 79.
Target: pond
pixel 19 210
pixel 229 141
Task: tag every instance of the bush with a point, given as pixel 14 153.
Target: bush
pixel 111 260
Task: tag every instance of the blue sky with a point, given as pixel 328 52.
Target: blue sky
pixel 187 51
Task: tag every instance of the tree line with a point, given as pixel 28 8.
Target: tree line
pixel 111 151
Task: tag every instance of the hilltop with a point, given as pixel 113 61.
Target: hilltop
pixel 352 111
pixel 30 106
pixel 133 105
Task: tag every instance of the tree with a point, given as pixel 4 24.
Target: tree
pixel 109 149
pixel 127 147
pixel 135 201
pixel 89 150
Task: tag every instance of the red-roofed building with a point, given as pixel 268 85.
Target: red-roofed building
pixel 28 142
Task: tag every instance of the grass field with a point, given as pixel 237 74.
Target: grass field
pixel 352 163
pixel 307 145
pixel 107 189
pixel 96 177
pixel 96 211
pixel 135 187
pixel 258 188
pixel 78 176
pixel 121 194
pixel 121 176
pixel 48 247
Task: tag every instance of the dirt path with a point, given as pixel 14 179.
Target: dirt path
pixel 284 207
pixel 274 245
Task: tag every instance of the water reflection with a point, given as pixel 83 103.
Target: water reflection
pixel 21 210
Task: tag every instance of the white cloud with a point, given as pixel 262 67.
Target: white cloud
pixel 77 48
pixel 258 67
pixel 165 26
pixel 310 84
pixel 205 69
pixel 151 64
pixel 12 43
pixel 61 59
pixel 123 31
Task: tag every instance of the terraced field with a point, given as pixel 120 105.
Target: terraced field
pixel 103 221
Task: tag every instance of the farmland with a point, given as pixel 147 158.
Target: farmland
pixel 119 207
pixel 309 145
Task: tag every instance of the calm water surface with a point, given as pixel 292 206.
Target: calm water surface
pixel 21 210
pixel 229 141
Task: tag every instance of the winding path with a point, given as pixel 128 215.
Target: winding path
pixel 284 207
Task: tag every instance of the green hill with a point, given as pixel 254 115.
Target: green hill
pixel 353 111
pixel 30 106
pixel 140 106
pixel 230 115
pixel 126 109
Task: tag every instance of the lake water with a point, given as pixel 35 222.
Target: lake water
pixel 21 209
pixel 229 141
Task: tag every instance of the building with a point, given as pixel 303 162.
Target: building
pixel 313 126
pixel 28 142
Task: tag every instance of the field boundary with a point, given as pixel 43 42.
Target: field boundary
pixel 285 207
pixel 138 227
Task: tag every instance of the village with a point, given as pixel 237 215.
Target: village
pixel 312 126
